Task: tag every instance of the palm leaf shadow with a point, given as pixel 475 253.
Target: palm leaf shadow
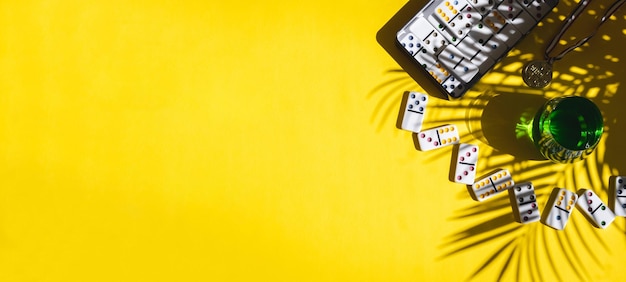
pixel 598 82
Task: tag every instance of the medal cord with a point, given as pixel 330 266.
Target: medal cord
pixel 570 19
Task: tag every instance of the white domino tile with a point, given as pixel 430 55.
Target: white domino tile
pixel 454 87
pixel 524 203
pixel 420 27
pixel 459 65
pixel 490 185
pixel 617 195
pixel 509 35
pixel 437 137
pixel 476 55
pixel 505 31
pixel 468 17
pixel 538 8
pixel 598 214
pixel 464 161
pixel 458 16
pixel 412 111
pixel 487 41
pixel 447 10
pixel 431 39
pixel 482 6
pixel 495 21
pixel 434 42
pixel 415 47
pixel 425 57
pixel 438 72
pixel 559 208
pixel 410 43
pixel 443 28
pixel 523 22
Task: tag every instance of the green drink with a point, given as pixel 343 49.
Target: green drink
pixel 567 129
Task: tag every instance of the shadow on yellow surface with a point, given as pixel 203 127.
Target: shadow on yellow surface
pixel 498 104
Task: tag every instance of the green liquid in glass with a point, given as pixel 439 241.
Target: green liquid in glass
pixel 567 129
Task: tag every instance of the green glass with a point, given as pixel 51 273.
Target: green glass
pixel 567 129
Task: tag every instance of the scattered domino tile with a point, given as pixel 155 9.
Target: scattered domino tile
pixel 412 111
pixel 617 195
pixel 410 43
pixel 490 185
pixel 559 208
pixel 464 160
pixel 437 137
pixel 524 203
pixel 598 214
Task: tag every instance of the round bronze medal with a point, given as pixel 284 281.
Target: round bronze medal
pixel 537 74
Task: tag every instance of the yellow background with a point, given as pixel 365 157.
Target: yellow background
pixel 224 141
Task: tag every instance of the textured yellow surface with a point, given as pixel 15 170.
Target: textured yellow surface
pixel 240 141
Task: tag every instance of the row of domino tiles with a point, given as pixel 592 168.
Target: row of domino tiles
pixel 458 41
pixel 559 206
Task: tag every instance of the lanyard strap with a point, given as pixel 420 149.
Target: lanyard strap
pixel 570 19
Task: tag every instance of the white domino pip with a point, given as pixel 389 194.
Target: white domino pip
pixel 490 185
pixel 437 137
pixel 464 161
pixel 617 195
pixel 598 214
pixel 559 208
pixel 524 203
pixel 412 111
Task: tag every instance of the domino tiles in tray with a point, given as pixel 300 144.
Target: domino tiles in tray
pixel 437 137
pixel 458 41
